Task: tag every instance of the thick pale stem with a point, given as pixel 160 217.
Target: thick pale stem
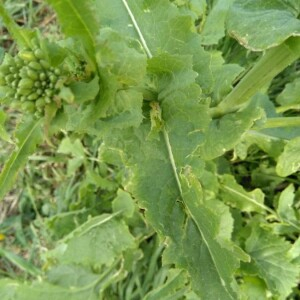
pixel 272 63
pixel 282 122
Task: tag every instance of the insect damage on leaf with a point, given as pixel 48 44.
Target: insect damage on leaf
pixel 156 119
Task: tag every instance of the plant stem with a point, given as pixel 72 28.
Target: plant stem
pixel 272 63
pixel 282 122
pixel 282 109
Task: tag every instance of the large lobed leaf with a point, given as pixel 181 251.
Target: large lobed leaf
pixel 155 162
pixel 173 205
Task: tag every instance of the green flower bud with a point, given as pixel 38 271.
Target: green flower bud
pixel 39 91
pixel 33 96
pixel 24 91
pixel 27 56
pixel 32 74
pixel 40 103
pixel 39 53
pixel 57 72
pixel 53 78
pixel 28 106
pixel 26 83
pixel 37 84
pixel 35 65
pixel 49 92
pixel 44 64
pixel 43 76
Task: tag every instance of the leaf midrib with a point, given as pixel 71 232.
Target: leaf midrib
pixel 82 22
pixel 165 134
pixel 169 147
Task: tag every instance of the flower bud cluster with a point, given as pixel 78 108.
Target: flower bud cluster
pixel 30 80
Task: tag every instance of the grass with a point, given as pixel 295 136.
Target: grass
pixel 22 230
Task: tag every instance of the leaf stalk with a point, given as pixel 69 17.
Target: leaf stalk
pixel 272 63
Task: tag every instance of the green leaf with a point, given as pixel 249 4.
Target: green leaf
pixel 266 142
pixel 224 75
pixel 121 57
pixel 3 133
pixel 289 161
pixel 22 36
pixel 264 70
pixel 126 112
pixel 81 282
pixel 123 203
pixel 85 91
pixel 270 258
pixel 97 243
pixel 174 288
pixel 224 133
pixel 285 207
pixel 75 148
pixel 155 165
pixel 276 20
pixel 93 177
pixel 77 19
pixel 214 26
pixel 294 252
pixel 69 276
pixel 8 289
pixel 234 194
pixel 173 32
pixel 14 290
pixel 164 81
pixel 28 134
pixel 253 288
pixel 2 53
pixel 291 94
pixel 66 95
pixel 122 67
pixel 20 262
pixel 213 245
pixel 142 15
pixel 195 8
